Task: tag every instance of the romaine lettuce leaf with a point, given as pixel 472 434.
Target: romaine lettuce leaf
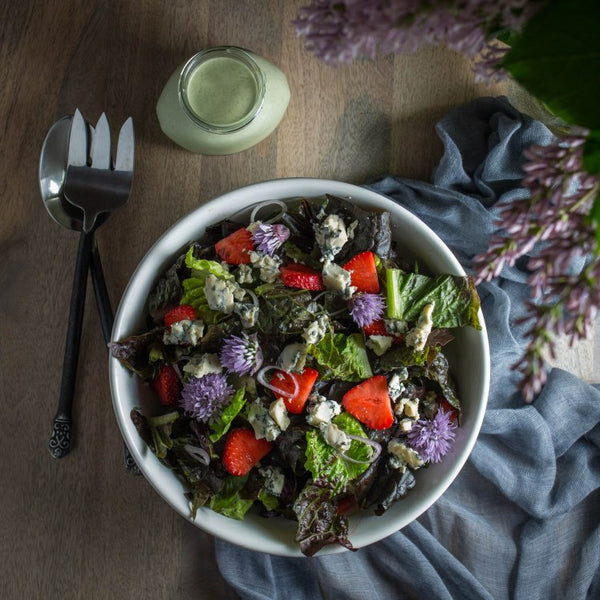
pixel 455 298
pixel 202 265
pixel 324 462
pixel 344 355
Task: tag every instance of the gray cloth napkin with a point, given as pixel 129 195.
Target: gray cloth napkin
pixel 522 519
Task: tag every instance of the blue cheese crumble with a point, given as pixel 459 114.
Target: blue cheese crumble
pixel 321 410
pixel 401 455
pixel 417 337
pixel 380 344
pixel 263 424
pixel 316 331
pixel 199 366
pixel 268 266
pixel 335 437
pixel 337 279
pixel 274 480
pixel 330 235
pixel 278 412
pixel 184 333
pixel 219 293
pixel 292 358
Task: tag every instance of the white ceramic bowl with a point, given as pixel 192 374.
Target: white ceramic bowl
pixel 468 355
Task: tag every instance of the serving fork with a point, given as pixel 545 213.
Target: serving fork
pixel 97 188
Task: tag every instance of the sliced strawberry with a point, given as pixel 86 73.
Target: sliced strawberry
pixel 376 328
pixel 167 385
pixel 235 248
pixel 243 450
pixel 363 272
pixel 297 275
pixel 183 312
pixel 370 403
pixel 447 407
pixel 305 380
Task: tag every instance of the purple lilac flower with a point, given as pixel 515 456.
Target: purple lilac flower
pixel 241 354
pixel 268 238
pixel 366 308
pixel 432 439
pixel 340 32
pixel 552 231
pixel 203 397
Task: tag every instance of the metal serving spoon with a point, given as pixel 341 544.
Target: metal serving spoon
pixel 52 170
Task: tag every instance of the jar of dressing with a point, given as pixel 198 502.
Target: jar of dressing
pixel 223 100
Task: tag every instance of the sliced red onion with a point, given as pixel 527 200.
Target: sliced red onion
pixel 258 207
pixel 198 454
pixel 376 450
pixel 260 377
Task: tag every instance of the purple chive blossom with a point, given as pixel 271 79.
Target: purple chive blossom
pixel 366 308
pixel 432 439
pixel 203 397
pixel 241 354
pixel 268 238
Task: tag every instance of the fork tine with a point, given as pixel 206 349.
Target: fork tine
pixel 78 141
pixel 101 144
pixel 125 147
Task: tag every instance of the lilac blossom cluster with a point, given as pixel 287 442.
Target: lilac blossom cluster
pixel 340 32
pixel 553 229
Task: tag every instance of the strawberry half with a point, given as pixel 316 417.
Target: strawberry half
pixel 370 403
pixel 363 272
pixel 167 385
pixel 297 275
pixel 376 327
pixel 183 312
pixel 447 407
pixel 305 380
pixel 243 450
pixel 235 248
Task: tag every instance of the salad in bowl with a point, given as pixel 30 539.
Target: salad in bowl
pixel 293 364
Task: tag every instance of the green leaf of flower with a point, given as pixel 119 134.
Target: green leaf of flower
pixel 555 58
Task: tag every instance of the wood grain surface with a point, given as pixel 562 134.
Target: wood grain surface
pixel 82 527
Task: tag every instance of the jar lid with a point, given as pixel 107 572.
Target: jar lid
pixel 221 89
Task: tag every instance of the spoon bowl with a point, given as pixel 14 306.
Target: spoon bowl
pixel 52 171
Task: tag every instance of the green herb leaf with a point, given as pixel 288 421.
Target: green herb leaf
pixel 555 58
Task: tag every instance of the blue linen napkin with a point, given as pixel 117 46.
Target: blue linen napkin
pixel 522 519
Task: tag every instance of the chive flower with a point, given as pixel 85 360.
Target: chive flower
pixel 241 354
pixel 432 439
pixel 366 308
pixel 203 397
pixel 269 238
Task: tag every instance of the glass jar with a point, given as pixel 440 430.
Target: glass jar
pixel 223 100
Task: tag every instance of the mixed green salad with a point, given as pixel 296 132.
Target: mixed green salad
pixel 298 367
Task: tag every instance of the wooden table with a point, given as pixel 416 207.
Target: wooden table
pixel 82 527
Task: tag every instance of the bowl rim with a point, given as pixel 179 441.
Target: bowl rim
pixel 148 269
